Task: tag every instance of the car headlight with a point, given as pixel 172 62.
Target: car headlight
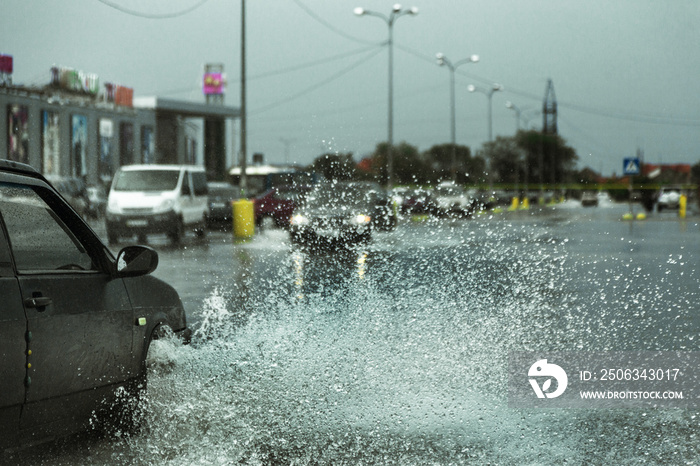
pixel 113 206
pixel 361 219
pixel 299 219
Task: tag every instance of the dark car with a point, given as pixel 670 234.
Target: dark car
pixel 77 322
pixel 275 206
pixel 383 212
pixel 417 201
pixel 335 213
pixel 221 196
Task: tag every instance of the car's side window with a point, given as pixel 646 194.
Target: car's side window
pixel 39 240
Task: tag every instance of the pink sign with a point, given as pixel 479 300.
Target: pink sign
pixel 213 83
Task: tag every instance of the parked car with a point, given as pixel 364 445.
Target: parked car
pixel 589 199
pixel 451 200
pixel 669 198
pixel 221 197
pixel 333 214
pixel 383 213
pixel 275 206
pixel 417 201
pixel 77 322
pixel 148 199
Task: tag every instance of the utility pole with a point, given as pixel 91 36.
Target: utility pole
pixel 243 156
pixel 549 124
pixel 287 142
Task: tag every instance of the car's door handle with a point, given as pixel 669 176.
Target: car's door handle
pixel 39 302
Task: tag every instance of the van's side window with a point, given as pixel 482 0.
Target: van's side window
pixel 199 183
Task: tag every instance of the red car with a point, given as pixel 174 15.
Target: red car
pixel 274 207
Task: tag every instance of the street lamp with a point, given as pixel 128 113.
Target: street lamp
pixel 489 93
pixel 442 60
pixel 396 12
pixel 519 115
pixel 517 111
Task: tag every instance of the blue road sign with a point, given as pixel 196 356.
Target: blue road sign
pixel 631 166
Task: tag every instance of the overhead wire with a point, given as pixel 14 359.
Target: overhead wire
pixel 318 85
pixel 139 14
pixel 332 28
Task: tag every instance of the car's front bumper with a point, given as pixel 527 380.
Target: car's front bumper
pixel 130 224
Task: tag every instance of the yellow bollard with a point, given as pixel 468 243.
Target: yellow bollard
pixel 514 203
pixel 682 206
pixel 525 204
pixel 243 218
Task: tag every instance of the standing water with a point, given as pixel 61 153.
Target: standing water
pixel 396 352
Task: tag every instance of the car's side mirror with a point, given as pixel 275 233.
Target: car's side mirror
pixel 133 261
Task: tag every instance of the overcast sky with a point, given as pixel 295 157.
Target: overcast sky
pixel 626 72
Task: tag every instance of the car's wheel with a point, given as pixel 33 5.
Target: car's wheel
pixel 126 414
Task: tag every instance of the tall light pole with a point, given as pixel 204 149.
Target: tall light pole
pixel 489 93
pixel 519 116
pixel 244 116
pixel 396 12
pixel 442 60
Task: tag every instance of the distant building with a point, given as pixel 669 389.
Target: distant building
pixel 72 127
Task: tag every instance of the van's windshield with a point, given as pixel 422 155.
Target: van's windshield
pixel 147 180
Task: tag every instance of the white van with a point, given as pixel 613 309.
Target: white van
pixel 148 199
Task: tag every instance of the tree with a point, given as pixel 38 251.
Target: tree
pixel 468 169
pixel 507 160
pixel 335 166
pixel 409 166
pixel 548 158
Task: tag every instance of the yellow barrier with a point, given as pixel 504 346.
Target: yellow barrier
pixel 514 203
pixel 682 206
pixel 243 218
pixel 525 205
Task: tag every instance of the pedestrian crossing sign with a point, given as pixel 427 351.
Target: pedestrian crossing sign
pixel 631 166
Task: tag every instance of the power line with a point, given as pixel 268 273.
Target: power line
pixel 152 15
pixel 640 118
pixel 285 70
pixel 319 84
pixel 328 25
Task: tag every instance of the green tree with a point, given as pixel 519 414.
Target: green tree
pixel 335 166
pixel 548 158
pixel 409 167
pixel 507 160
pixel 468 169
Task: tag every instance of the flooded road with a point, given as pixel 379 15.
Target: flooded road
pixel 396 352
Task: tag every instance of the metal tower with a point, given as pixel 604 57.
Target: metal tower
pixel 549 110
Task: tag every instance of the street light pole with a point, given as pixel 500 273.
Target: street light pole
pixel 396 12
pixel 495 87
pixel 442 60
pixel 489 93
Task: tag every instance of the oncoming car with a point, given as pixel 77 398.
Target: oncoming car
pixel 333 213
pixel 77 322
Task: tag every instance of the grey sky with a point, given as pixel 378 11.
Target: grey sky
pixel 625 72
